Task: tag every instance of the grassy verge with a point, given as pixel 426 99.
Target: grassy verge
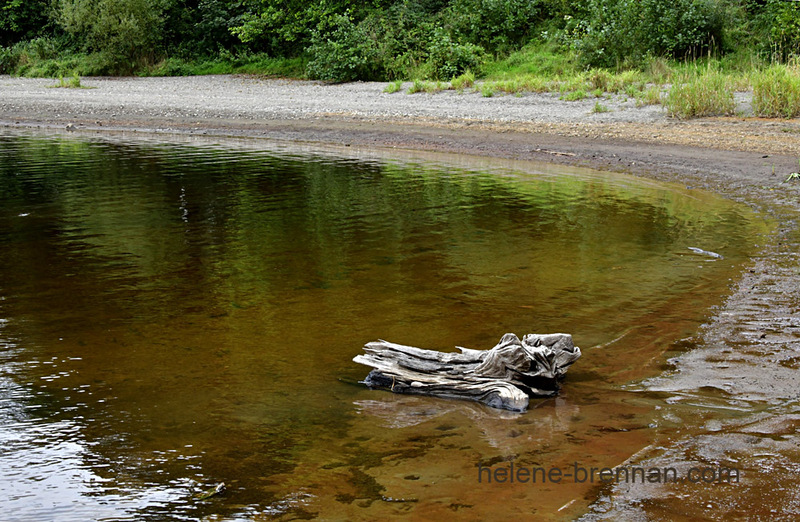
pixel 258 64
pixel 687 89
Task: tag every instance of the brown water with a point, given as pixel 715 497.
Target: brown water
pixel 176 316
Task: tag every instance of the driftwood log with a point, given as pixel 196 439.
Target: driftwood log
pixel 504 377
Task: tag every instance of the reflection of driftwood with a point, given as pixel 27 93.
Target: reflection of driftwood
pixel 500 429
pixel 503 377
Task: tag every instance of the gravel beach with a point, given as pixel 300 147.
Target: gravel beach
pixel 749 350
pixel 530 126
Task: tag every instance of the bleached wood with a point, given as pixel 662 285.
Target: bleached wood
pixel 504 377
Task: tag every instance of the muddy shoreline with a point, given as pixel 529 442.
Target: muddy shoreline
pixel 745 360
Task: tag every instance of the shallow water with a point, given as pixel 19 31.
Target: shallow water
pixel 174 316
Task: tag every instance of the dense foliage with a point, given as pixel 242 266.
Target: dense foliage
pixel 618 30
pixel 344 40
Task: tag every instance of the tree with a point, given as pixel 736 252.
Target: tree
pixel 286 27
pixel 124 31
pixel 22 20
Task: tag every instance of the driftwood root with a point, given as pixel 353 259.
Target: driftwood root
pixel 504 377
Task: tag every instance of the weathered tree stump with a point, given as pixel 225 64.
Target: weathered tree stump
pixel 504 377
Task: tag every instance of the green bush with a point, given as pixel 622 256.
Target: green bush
pixel 40 52
pixel 784 28
pixel 124 32
pixel 448 59
pixel 22 20
pixel 8 61
pixel 203 31
pixel 342 55
pixel 776 93
pixel 287 27
pixel 43 48
pixel 172 67
pixel 400 37
pixel 497 25
pixel 631 30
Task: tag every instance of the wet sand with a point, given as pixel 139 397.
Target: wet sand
pixel 744 363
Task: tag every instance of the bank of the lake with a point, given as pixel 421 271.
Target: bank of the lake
pixel 746 355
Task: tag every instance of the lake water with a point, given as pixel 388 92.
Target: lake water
pixel 174 316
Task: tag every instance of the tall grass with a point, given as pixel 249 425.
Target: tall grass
pixel 527 71
pixel 700 92
pixel 425 86
pixel 74 82
pixel 467 79
pixel 776 92
pixel 393 87
pixel 650 96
